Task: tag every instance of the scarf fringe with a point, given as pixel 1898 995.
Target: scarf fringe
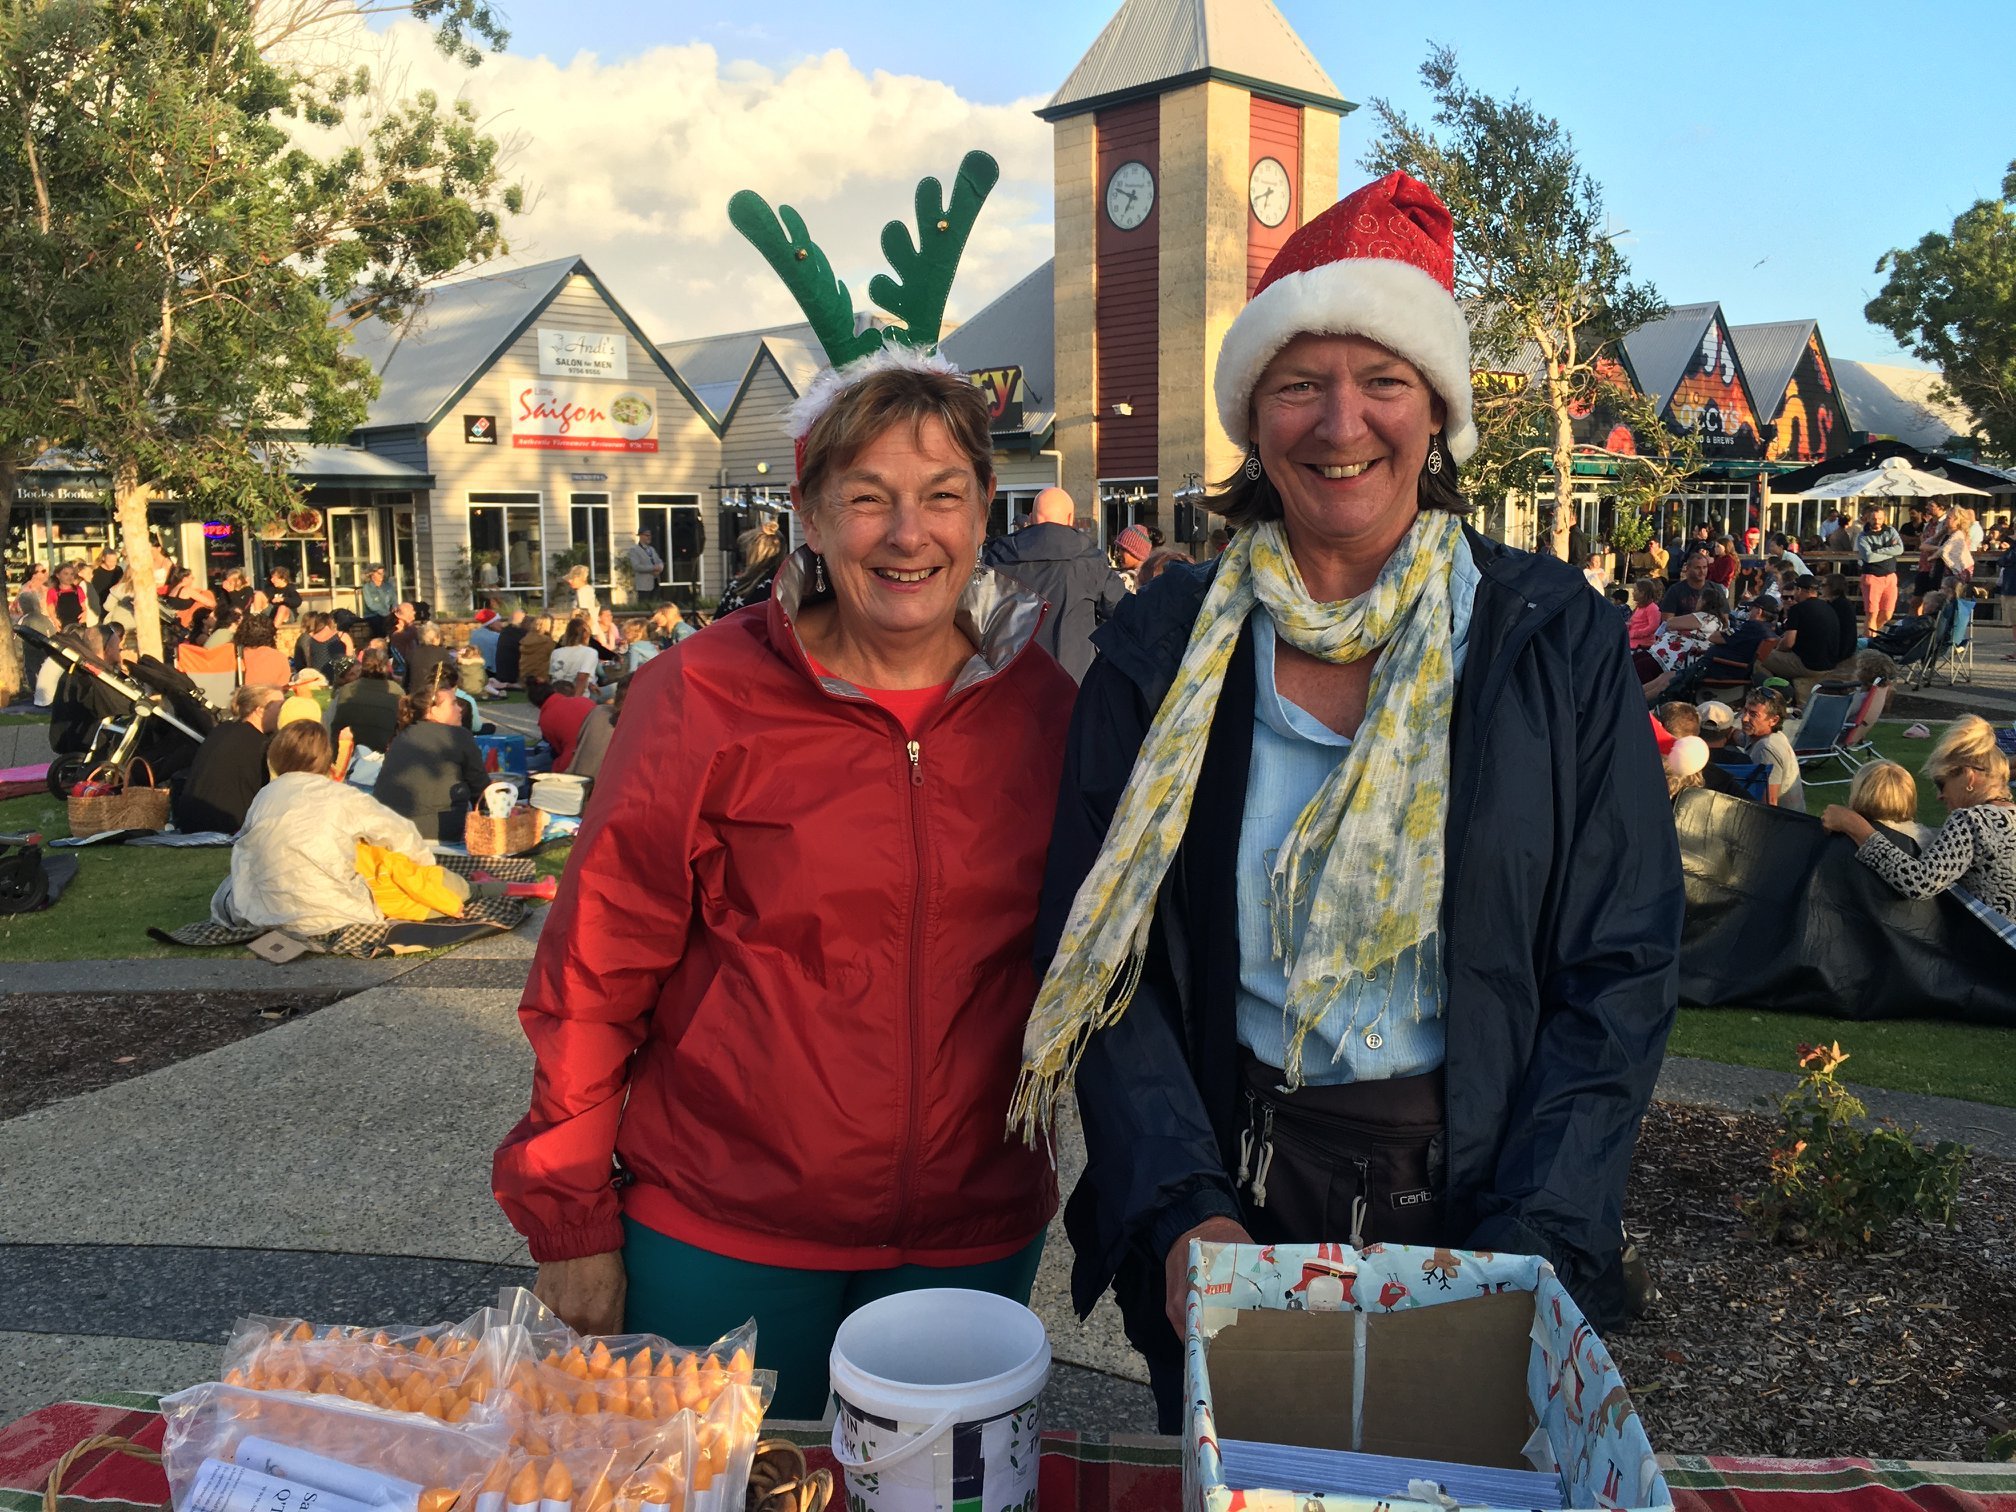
pixel 1049 1072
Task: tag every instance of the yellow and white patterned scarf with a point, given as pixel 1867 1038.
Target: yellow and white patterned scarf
pixel 1364 858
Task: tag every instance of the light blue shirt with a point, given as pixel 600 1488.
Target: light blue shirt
pixel 1294 753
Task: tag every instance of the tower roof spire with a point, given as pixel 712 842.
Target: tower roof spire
pixel 1152 46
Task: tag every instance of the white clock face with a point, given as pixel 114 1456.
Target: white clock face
pixel 1130 195
pixel 1268 192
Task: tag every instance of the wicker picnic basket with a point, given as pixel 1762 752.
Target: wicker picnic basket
pixel 515 832
pixel 127 806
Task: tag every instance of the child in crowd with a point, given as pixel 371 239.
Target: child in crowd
pixel 1645 617
pixel 1976 848
pixel 1885 793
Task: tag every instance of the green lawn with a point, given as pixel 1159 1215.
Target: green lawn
pixel 1909 754
pixel 1905 1055
pixel 7 721
pixel 121 891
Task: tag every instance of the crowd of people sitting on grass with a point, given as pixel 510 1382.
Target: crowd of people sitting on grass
pixel 1747 646
pixel 1729 650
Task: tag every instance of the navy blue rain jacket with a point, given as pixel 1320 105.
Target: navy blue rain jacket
pixel 1561 922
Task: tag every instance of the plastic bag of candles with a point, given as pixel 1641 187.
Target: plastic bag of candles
pixel 232 1449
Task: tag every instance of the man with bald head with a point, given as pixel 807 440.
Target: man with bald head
pixel 1050 556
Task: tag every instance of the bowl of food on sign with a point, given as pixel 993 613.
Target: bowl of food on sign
pixel 630 413
pixel 305 521
pixel 273 530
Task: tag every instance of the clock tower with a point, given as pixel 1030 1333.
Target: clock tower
pixel 1191 140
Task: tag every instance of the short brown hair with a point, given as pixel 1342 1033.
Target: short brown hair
pixel 885 399
pixel 1680 718
pixel 302 746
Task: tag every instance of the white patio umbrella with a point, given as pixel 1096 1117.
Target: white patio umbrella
pixel 1893 478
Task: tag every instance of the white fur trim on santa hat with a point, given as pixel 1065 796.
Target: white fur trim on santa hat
pixel 1393 303
pixel 829 384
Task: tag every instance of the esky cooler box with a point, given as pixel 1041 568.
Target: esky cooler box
pixel 1452 1355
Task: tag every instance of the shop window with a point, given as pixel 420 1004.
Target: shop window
pixel 351 553
pixel 307 559
pixel 680 536
pixel 588 534
pixel 506 542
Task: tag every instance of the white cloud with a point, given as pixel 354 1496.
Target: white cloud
pixel 630 163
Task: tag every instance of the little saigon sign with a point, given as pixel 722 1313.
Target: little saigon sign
pixel 584 417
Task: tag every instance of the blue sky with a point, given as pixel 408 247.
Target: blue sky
pixel 1764 157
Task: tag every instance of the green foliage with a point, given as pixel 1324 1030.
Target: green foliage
pixel 1630 531
pixel 1840 1181
pixel 1548 294
pixel 1952 301
pixel 458 583
pixel 183 270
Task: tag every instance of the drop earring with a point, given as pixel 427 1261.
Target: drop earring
pixel 818 574
pixel 1252 469
pixel 1435 455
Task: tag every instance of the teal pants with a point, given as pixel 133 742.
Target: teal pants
pixel 693 1296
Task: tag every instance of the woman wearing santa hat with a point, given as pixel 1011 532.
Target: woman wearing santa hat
pixel 1363 904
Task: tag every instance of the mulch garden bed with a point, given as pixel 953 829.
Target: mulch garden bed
pixel 55 1045
pixel 1756 1348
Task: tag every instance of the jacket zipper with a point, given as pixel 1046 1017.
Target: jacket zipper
pixel 906 1166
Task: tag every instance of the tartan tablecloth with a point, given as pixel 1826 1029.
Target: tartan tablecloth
pixel 1081 1472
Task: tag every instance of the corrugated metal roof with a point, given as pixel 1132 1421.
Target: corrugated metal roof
pixel 1018 329
pixel 457 329
pixel 1887 400
pixel 718 366
pixel 1770 354
pixel 1661 350
pixel 351 464
pixel 1152 42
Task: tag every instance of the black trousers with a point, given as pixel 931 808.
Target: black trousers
pixel 1359 1163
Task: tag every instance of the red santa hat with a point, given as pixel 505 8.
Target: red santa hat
pixel 1380 263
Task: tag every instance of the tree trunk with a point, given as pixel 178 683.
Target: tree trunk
pixel 130 498
pixel 1564 471
pixel 13 666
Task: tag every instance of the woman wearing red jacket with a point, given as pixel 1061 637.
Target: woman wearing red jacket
pixel 785 984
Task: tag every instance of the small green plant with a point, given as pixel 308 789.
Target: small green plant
pixel 1630 531
pixel 458 583
pixel 1841 1180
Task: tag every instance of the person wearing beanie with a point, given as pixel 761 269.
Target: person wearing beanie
pixel 1416 955
pixel 1130 550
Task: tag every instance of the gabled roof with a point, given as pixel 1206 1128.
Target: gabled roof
pixel 1770 354
pixel 721 368
pixel 1660 350
pixel 428 362
pixel 1018 329
pixel 1152 46
pixel 1888 400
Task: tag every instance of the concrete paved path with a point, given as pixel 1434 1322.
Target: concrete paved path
pixel 338 1167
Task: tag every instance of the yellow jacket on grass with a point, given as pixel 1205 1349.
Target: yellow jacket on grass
pixel 405 889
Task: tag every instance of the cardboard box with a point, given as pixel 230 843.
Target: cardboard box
pixel 1479 1359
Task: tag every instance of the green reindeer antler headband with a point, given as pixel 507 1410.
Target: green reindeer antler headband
pixel 916 296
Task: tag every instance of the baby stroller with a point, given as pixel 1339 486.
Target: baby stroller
pixel 102 716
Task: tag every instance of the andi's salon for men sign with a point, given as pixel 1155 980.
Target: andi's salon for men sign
pixel 582 354
pixel 584 417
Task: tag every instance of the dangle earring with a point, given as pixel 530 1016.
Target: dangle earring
pixel 818 574
pixel 1434 454
pixel 1252 469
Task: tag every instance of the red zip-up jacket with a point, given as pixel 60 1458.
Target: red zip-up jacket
pixel 785 981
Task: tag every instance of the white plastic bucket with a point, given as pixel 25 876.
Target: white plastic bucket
pixel 937 1403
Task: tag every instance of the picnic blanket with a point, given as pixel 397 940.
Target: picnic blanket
pixel 480 916
pixel 1781 917
pixel 172 838
pixel 1080 1472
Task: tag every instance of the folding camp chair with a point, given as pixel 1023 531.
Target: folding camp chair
pixel 1818 738
pixel 1919 661
pixel 1852 757
pixel 214 670
pixel 1956 648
